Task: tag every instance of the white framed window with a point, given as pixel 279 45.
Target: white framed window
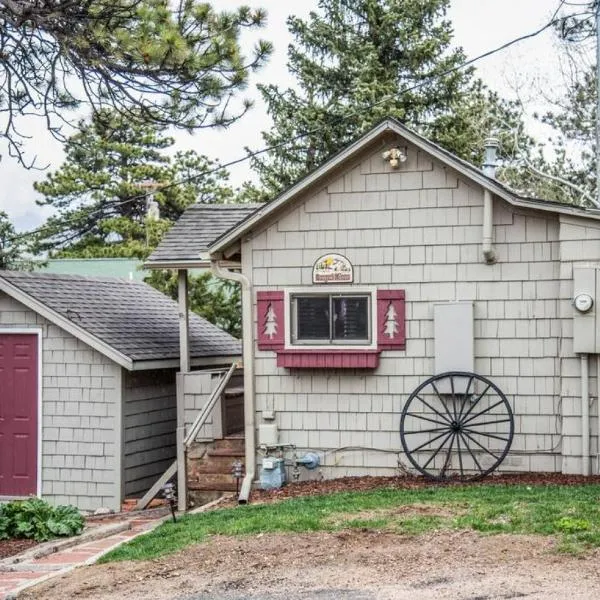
pixel 330 317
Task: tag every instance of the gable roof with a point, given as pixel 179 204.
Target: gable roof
pixel 393 126
pixel 129 322
pixel 189 238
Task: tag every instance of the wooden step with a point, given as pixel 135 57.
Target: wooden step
pixel 232 453
pixel 237 444
pixel 233 392
pixel 212 481
pixel 213 487
pixel 215 464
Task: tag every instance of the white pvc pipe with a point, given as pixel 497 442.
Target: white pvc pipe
pixel 489 256
pixel 585 415
pixel 248 360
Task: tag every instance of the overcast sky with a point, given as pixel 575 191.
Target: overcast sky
pixel 479 25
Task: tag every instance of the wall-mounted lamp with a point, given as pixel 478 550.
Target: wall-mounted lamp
pixel 395 156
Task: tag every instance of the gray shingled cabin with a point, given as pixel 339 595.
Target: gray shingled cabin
pixel 88 385
pixel 395 262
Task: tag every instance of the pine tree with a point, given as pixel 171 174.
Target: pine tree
pixel 102 208
pixel 359 61
pixel 15 250
pixel 100 193
pixel 170 63
pixel 565 169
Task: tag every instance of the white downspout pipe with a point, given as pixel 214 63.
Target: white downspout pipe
pixel 248 360
pixel 184 368
pixel 598 414
pixel 489 169
pixel 585 415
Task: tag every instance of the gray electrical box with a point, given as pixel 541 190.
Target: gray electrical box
pixel 586 290
pixel 453 338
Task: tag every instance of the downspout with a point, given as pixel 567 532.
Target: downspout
pixel 184 368
pixel 598 414
pixel 585 415
pixel 489 169
pixel 248 361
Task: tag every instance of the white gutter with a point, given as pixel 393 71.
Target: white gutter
pixel 489 169
pixel 585 415
pixel 598 420
pixel 248 362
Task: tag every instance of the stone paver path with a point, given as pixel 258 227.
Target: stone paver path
pixel 35 570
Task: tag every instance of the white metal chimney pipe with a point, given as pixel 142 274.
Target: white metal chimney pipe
pixel 489 169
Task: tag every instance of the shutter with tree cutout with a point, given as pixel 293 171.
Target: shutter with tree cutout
pixel 391 322
pixel 270 320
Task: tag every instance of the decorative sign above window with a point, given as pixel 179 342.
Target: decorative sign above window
pixel 333 268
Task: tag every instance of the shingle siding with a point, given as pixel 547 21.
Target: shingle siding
pixel 420 229
pixel 80 398
pixel 149 423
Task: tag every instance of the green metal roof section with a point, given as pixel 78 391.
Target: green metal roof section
pixel 125 268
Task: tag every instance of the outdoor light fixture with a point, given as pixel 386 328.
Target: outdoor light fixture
pixel 169 495
pixel 237 472
pixel 395 156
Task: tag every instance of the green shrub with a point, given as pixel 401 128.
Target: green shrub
pixel 36 519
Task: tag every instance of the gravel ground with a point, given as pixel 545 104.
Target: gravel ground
pixel 351 565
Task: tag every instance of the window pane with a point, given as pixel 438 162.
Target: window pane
pixel 351 318
pixel 312 318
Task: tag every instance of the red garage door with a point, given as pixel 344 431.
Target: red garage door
pixel 18 414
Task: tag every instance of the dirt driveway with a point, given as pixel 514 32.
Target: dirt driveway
pixel 352 565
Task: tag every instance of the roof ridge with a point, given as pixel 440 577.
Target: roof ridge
pixel 230 205
pixel 65 276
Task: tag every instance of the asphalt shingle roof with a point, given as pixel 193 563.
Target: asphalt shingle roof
pixel 131 317
pixel 197 228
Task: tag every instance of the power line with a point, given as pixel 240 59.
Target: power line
pixel 427 80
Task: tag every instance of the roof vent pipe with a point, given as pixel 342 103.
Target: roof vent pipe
pixel 489 169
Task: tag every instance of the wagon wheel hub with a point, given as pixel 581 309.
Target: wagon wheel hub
pixel 455 426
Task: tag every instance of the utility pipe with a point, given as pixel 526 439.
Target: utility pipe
pixel 585 414
pixel 248 361
pixel 598 414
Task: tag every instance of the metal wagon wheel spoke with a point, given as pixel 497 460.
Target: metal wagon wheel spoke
pixel 474 426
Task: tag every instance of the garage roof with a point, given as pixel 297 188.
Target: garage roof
pixel 128 321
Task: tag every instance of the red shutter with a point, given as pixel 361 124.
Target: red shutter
pixel 391 320
pixel 270 320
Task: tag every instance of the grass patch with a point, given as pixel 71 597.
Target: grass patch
pixel 572 513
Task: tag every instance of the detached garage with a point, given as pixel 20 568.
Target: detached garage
pixel 87 385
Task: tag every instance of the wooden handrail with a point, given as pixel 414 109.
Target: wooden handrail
pixel 208 407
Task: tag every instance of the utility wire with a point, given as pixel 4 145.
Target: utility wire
pixel 427 80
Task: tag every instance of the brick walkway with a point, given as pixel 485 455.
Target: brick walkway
pixel 33 571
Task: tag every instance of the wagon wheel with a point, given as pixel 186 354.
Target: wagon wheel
pixel 456 425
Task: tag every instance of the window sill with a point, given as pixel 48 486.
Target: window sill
pixel 328 359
